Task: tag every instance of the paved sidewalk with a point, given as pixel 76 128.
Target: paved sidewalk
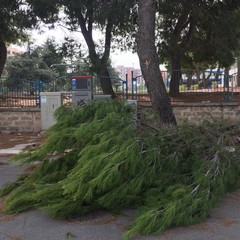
pixel 224 223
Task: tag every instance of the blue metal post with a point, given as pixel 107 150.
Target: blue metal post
pixel 227 96
pixel 168 80
pixel 136 86
pixel 123 82
pixel 38 102
pixel 132 84
pixel 126 86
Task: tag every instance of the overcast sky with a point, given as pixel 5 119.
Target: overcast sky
pixel 126 59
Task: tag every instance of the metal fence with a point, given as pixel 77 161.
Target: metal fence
pixel 194 86
pixel 17 92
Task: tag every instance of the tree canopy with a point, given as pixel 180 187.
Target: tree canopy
pixel 197 31
pixel 202 32
pixel 35 64
pixel 15 18
pixel 108 16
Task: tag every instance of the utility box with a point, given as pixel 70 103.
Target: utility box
pixel 50 101
pixel 82 89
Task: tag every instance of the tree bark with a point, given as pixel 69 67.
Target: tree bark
pixel 238 71
pixel 189 80
pixel 218 73
pixel 180 44
pixel 105 80
pixel 176 76
pixel 149 62
pixel 3 56
pixel 226 79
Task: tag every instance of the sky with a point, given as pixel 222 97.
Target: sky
pixel 127 59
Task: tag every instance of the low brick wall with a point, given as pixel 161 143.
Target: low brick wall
pixel 20 120
pixel 195 113
pixel 29 119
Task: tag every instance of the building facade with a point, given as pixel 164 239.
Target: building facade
pixel 12 51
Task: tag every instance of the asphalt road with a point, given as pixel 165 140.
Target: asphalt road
pixel 223 224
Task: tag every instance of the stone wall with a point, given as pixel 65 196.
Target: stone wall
pixel 195 113
pixel 20 120
pixel 29 119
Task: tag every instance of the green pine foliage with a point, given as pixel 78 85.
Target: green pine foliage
pixel 98 156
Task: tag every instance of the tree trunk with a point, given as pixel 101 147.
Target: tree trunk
pixel 218 73
pixel 206 80
pixel 189 80
pixel 238 71
pixel 99 63
pixel 101 69
pixel 226 79
pixel 149 62
pixel 105 80
pixel 3 56
pixel 176 76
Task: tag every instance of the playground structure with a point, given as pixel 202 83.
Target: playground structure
pixel 194 86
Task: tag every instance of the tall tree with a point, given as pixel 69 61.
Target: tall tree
pixel 176 30
pixel 27 67
pixel 3 56
pixel 52 56
pixel 238 71
pixel 108 16
pixel 149 62
pixel 15 17
pixel 209 29
pixel 35 64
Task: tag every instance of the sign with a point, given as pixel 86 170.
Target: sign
pixel 43 99
pixel 74 84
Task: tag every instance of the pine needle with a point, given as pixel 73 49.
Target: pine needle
pixel 97 157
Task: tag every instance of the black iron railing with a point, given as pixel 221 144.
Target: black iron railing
pixel 194 86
